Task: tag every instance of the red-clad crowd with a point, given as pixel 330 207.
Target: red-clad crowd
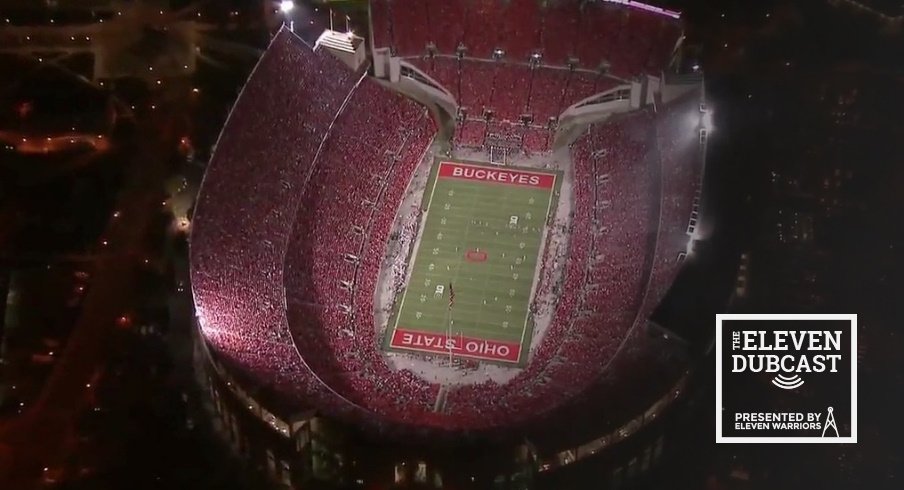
pixel 547 98
pixel 470 134
pixel 292 221
pixel 298 202
pixel 339 240
pixel 244 213
pixel 628 41
pixel 479 134
pixel 511 90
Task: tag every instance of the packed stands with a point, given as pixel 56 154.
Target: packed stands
pixel 447 24
pixel 299 201
pixel 477 79
pixel 626 40
pixel 679 149
pixel 238 244
pixel 547 92
pixel 511 89
pixel 471 134
pixel 341 228
pixel 410 31
pixel 560 28
pixel 508 91
pixel 379 16
pixel 611 42
pixel 597 34
pixel 520 31
pixel 483 28
pixel 537 140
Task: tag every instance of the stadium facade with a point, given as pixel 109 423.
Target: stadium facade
pixel 314 209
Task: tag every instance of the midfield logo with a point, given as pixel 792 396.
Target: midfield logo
pixel 786 378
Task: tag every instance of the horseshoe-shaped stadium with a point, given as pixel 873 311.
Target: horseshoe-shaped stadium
pixel 460 225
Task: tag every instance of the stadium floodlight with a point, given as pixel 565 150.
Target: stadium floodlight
pixel 286 6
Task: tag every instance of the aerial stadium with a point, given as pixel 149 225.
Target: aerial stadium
pixel 459 229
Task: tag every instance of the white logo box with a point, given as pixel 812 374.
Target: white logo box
pixel 852 322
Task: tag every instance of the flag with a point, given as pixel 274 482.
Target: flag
pixel 451 296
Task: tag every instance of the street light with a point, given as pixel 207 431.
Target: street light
pixel 286 6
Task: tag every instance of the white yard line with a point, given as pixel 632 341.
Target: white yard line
pixel 537 267
pixel 483 288
pixel 414 253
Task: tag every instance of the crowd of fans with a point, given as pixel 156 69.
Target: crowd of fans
pixel 503 92
pixel 476 85
pixel 511 90
pixel 508 91
pixel 448 34
pixel 537 140
pixel 264 287
pixel 547 98
pixel 512 137
pixel 245 209
pixel 679 152
pixel 470 134
pixel 299 201
pixel 627 41
pixel 339 240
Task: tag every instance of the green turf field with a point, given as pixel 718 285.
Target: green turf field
pixel 482 239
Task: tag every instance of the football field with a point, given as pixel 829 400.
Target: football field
pixel 473 272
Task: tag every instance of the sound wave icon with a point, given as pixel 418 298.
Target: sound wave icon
pixel 788 382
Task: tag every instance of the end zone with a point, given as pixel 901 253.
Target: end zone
pixel 490 350
pixel 505 176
